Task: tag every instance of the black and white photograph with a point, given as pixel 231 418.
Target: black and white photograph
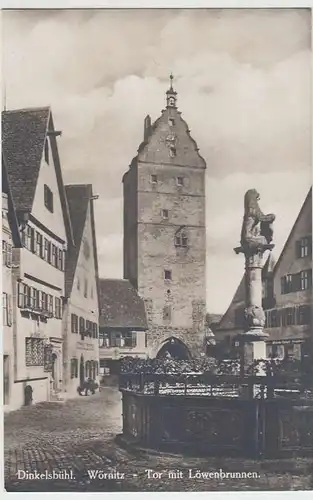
pixel 157 249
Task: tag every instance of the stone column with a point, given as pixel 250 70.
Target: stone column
pixel 253 338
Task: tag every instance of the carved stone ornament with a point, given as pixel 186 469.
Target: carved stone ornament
pixel 255 317
pixel 257 228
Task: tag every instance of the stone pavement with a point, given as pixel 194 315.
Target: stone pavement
pixel 77 436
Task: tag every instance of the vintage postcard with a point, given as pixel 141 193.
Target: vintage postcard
pixel 157 250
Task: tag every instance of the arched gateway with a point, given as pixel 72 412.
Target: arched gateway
pixel 173 348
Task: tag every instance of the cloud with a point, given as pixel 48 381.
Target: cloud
pixel 244 86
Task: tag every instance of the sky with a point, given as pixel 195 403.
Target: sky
pixel 243 79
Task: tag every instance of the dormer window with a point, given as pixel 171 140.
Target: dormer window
pixel 154 179
pixel 165 213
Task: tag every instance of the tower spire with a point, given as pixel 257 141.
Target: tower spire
pixel 171 95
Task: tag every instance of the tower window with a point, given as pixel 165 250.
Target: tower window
pixel 167 274
pixel 181 240
pixel 154 179
pixel 165 213
pixel 180 181
pixel 171 122
pixel 167 313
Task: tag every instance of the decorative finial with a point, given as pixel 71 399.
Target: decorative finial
pixel 171 95
pixel 171 79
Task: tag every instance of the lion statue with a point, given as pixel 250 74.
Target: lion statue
pixel 257 228
pixel 254 316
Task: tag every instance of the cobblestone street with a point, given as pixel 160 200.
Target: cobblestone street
pixel 78 436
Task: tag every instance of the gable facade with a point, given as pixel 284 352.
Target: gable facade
pixel 81 315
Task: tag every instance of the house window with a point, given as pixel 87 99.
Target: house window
pixel 44 302
pixel 130 339
pixel 181 240
pixel 167 274
pixel 48 198
pixel 50 305
pixel 154 179
pixel 304 315
pixel 21 300
pixel 180 181
pixel 47 255
pixel 74 323
pixel 47 151
pixel 30 243
pixel 34 351
pixel 54 256
pixel 165 213
pixel 88 328
pixel 7 309
pixel 306 279
pixel 6 253
pixel 94 330
pixel 171 122
pixel 74 368
pixel 167 313
pixel 35 298
pixel 60 259
pixel 85 288
pixel 39 245
pixel 286 284
pixel 304 247
pixel 289 351
pixel 290 316
pixel 82 327
pixel 58 308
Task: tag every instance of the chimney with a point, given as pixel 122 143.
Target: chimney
pixel 147 128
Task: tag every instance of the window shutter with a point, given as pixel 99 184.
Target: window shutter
pixel 283 284
pixel 310 246
pixel 32 240
pixel 310 278
pixel 298 249
pixel 296 282
pixel 20 295
pixel 51 304
pixel 134 339
pixel 9 305
pixel 8 255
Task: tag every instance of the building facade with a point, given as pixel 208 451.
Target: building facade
pixel 81 310
pixel 289 319
pixel 10 239
pixel 164 232
pixel 38 197
pixel 123 324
